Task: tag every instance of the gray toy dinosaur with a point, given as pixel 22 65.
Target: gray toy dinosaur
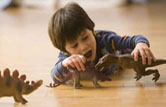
pixel 75 75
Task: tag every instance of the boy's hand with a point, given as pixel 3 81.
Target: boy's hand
pixel 75 61
pixel 144 51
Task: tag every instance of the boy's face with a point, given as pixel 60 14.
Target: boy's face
pixel 85 45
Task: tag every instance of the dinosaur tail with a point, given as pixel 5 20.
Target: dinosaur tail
pixel 28 88
pixel 68 77
pixel 53 85
pixel 157 62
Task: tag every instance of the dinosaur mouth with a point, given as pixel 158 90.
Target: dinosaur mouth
pixel 88 54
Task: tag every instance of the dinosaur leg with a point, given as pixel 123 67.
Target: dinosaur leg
pixel 96 84
pixel 138 76
pixel 16 100
pixel 19 98
pixel 154 72
pixel 76 78
pixel 139 73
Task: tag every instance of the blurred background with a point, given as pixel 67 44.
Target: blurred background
pixel 25 45
pixel 60 3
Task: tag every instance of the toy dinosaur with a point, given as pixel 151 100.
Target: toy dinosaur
pixel 73 73
pixel 16 86
pixel 127 61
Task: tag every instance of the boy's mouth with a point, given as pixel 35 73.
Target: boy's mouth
pixel 88 54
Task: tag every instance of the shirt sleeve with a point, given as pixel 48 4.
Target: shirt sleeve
pixel 58 71
pixel 114 42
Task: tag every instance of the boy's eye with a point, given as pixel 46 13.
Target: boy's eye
pixel 85 38
pixel 75 45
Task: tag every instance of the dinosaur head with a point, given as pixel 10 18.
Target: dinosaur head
pixel 29 88
pixel 105 61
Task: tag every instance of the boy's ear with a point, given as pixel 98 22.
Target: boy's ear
pixel 94 33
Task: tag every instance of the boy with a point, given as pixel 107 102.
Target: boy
pixel 72 32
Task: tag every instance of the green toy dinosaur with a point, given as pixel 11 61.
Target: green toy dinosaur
pixel 16 87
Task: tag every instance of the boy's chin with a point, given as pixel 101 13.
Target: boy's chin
pixel 89 59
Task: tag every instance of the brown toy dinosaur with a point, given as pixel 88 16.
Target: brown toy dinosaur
pixel 127 61
pixel 16 87
pixel 73 73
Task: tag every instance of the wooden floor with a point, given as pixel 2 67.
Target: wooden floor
pixel 25 45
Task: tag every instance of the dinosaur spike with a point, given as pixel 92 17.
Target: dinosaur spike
pixel 27 82
pixel 30 88
pixel 23 77
pixel 6 72
pixel 15 74
pixel 32 82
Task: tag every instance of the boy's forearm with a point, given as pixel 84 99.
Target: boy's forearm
pixel 58 71
pixel 60 67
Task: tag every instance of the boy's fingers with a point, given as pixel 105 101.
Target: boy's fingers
pixel 136 53
pixel 148 56
pixel 132 53
pixel 143 55
pixel 77 66
pixel 70 63
pixel 154 59
pixel 83 59
pixel 81 64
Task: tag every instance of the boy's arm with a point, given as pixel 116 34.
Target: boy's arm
pixel 115 42
pixel 58 72
pixel 125 42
